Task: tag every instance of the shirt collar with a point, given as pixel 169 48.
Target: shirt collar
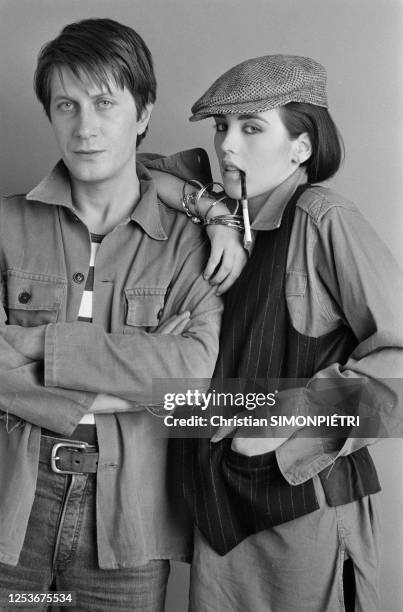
pixel 55 189
pixel 270 214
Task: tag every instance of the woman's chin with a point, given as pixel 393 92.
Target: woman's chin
pixel 232 187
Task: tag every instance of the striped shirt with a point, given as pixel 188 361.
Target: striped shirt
pixel 85 311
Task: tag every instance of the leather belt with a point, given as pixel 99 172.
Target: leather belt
pixel 69 456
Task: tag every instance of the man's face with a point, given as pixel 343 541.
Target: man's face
pixel 95 127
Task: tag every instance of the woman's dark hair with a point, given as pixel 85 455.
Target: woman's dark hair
pixel 327 145
pixel 98 50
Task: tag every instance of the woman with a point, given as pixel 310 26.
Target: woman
pixel 287 522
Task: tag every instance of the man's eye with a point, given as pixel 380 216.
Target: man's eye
pixel 220 127
pixel 104 103
pixel 66 106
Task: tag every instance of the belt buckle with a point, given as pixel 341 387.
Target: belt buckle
pixel 54 457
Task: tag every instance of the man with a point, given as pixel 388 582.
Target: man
pixel 91 265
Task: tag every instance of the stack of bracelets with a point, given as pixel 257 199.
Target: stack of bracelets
pixel 193 199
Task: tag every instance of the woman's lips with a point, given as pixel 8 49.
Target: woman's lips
pixel 231 168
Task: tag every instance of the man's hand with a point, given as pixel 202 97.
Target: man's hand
pixel 29 341
pixel 105 403
pixel 174 325
pixel 227 257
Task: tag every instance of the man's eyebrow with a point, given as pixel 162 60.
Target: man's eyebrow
pixel 63 96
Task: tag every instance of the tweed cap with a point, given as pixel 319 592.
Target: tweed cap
pixel 263 83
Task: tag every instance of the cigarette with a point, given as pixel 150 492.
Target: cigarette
pixel 247 238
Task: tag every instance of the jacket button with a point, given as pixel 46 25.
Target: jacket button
pixel 24 297
pixel 78 277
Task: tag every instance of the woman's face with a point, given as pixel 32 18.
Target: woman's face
pixel 259 145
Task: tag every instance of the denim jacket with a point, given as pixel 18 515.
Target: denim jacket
pixel 338 273
pixel 148 268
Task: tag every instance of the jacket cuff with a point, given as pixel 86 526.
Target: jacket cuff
pixel 82 400
pixel 187 165
pixel 300 459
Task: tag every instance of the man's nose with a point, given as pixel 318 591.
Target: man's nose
pixel 87 123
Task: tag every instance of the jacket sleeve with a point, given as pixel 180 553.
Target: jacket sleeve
pixel 23 394
pixel 364 286
pixel 22 390
pixel 85 357
pixel 187 165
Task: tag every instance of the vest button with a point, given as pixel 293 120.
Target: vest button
pixel 24 297
pixel 78 277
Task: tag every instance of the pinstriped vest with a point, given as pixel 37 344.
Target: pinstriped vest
pixel 231 495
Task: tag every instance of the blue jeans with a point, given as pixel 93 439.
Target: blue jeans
pixel 60 554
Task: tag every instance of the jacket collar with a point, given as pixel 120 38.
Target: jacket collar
pixel 270 214
pixel 55 190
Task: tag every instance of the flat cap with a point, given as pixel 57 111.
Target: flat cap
pixel 263 83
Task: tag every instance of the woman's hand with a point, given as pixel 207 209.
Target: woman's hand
pixel 227 257
pixel 242 441
pixel 254 446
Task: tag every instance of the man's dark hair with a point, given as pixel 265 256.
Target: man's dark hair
pixel 99 50
pixel 327 146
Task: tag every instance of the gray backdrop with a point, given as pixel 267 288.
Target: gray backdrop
pixel 193 41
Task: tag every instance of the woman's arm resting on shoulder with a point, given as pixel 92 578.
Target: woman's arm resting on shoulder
pixel 227 255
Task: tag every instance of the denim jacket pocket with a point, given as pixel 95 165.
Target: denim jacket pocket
pixel 296 284
pixel 295 291
pixel 32 299
pixel 144 306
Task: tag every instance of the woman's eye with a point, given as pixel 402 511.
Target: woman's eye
pixel 251 129
pixel 220 127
